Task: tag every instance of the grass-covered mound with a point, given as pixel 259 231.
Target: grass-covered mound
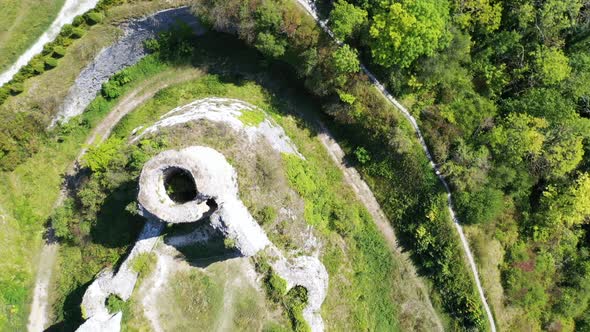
pixel 353 250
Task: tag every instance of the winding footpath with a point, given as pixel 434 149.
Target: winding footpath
pixel 38 318
pixel 70 9
pixel 311 10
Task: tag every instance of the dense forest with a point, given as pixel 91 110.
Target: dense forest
pixel 502 92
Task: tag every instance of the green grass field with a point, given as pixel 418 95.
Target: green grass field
pixel 21 23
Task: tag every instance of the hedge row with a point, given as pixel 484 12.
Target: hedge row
pixel 56 49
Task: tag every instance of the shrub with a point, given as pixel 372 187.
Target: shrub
pixel 38 64
pixel 93 18
pixel 276 287
pixel 78 20
pixel 266 215
pixel 47 48
pixel 295 302
pixel 121 78
pixel 269 45
pixel 78 33
pixel 59 51
pixel 66 30
pixel 362 155
pixel 50 63
pixel 152 45
pixel 111 90
pixel 62 219
pixel 144 263
pixel 115 304
pixel 4 93
pixel 229 243
pixel 16 88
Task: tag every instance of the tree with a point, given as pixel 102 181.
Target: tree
pixel 346 19
pixel 345 60
pixel 269 45
pixel 570 207
pixel 551 65
pixel 99 157
pixel 471 13
pixel 520 136
pixel 403 31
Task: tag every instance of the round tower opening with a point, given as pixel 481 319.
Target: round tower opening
pixel 180 185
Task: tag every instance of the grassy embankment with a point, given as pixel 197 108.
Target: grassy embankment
pixel 354 251
pixel 21 23
pixel 28 193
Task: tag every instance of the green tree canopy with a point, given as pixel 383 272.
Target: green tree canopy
pixel 551 65
pixel 402 31
pixel 346 19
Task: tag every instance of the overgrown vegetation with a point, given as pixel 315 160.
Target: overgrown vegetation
pixel 396 167
pixel 293 301
pixel 503 103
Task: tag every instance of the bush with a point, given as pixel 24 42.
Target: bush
pixel 50 63
pixel 62 219
pixel 93 18
pixel 115 304
pixel 59 51
pixel 144 263
pixel 4 93
pixel 38 65
pixel 295 302
pixel 78 33
pixel 152 45
pixel 66 30
pixel 47 48
pixel 111 90
pixel 78 20
pixel 276 287
pixel 16 88
pixel 266 215
pixel 362 155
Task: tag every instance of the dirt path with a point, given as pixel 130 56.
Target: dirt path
pixel 38 317
pixel 311 10
pixel 364 193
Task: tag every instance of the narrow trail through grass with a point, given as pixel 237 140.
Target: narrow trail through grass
pixel 142 93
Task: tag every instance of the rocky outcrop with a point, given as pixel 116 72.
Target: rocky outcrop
pixel 227 111
pixel 127 51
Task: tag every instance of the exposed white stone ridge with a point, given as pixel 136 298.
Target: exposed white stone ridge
pixel 122 284
pixel 217 197
pixel 310 273
pixel 103 323
pixel 227 111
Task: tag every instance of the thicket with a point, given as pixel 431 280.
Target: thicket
pixel 407 188
pixel 503 100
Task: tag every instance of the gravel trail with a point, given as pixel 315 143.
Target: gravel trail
pixel 311 10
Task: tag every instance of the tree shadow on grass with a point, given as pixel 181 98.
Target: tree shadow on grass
pixel 72 312
pixel 115 227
